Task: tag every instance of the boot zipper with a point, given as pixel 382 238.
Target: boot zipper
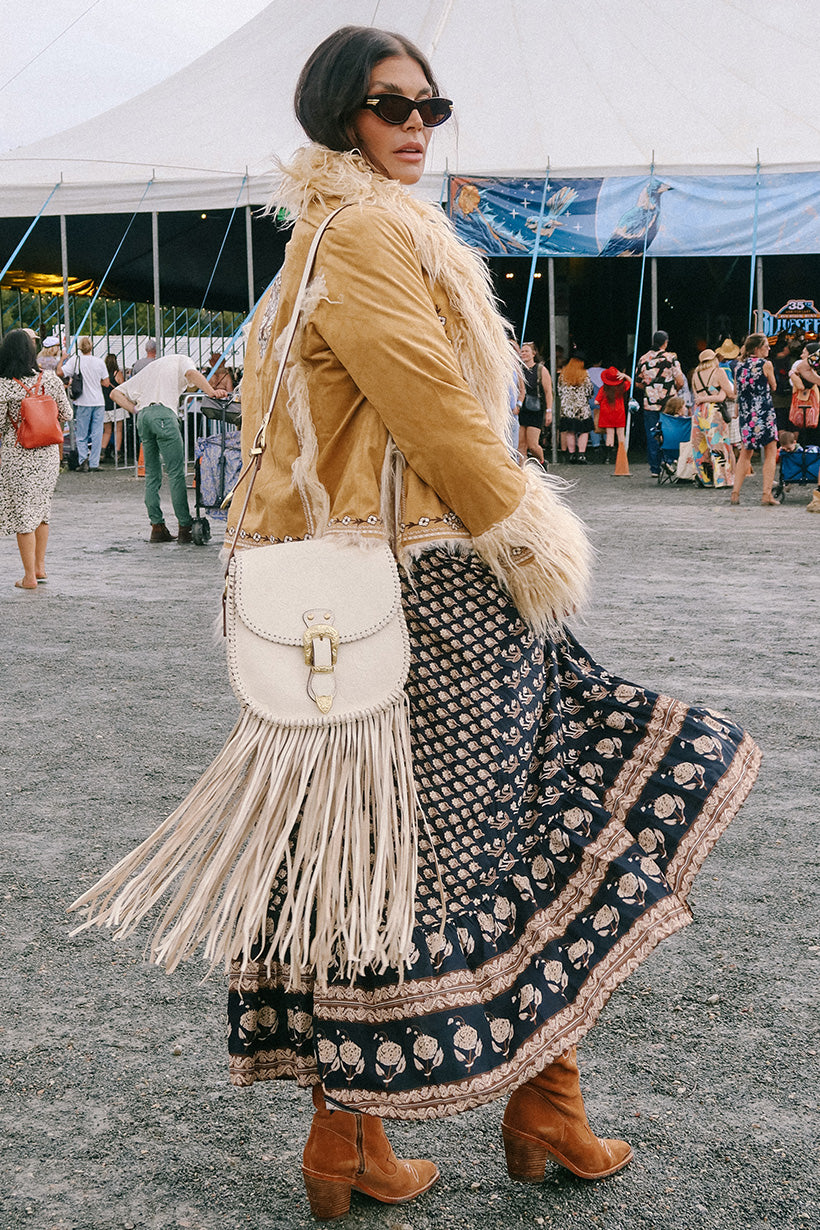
pixel 360 1143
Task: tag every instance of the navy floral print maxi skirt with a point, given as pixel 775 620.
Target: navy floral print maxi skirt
pixel 567 814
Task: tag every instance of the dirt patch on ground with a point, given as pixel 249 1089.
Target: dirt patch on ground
pixel 115 1107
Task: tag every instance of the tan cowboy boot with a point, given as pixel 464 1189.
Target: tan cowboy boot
pixel 547 1116
pixel 349 1152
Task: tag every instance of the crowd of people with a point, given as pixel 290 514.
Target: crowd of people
pixel 739 401
pixel 92 397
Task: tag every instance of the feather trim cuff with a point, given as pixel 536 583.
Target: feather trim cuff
pixel 541 554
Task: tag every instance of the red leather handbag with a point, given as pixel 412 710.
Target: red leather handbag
pixel 39 422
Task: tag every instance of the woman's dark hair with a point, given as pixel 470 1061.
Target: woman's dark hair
pixel 112 365
pixel 333 84
pixel 18 356
pixel 751 344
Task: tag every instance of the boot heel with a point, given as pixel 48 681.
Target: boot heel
pixel 327 1199
pixel 526 1160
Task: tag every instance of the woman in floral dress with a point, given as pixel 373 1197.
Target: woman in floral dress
pixel 564 811
pixel 28 476
pixel 755 382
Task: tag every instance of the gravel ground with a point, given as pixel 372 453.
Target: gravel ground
pixel 115 1107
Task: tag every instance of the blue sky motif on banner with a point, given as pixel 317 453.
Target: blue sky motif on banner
pixel 677 215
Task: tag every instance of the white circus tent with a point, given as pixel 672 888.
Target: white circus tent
pixel 708 88
pixel 590 88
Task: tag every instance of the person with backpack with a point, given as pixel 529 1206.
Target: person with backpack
pixel 89 403
pixel 28 476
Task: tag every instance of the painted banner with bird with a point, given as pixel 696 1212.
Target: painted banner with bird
pixel 668 215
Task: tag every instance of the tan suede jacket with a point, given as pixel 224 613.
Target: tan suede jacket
pixel 380 357
pixel 379 363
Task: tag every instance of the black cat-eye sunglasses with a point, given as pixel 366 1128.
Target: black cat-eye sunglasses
pixel 397 109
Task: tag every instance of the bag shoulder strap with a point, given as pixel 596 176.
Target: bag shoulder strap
pixel 260 440
pixel 35 390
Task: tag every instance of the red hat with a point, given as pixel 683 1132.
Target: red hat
pixel 611 376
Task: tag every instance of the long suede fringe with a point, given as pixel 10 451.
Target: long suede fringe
pixel 333 808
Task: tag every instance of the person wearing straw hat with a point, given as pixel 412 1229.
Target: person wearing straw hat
pixel 728 353
pixel 711 450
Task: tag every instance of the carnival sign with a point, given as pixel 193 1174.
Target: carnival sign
pixel 796 316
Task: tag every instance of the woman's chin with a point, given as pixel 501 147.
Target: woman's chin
pixel 407 172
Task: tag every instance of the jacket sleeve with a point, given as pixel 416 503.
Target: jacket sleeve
pixel 380 320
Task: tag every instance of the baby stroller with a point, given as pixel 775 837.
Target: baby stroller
pixel 800 467
pixel 671 432
pixel 217 464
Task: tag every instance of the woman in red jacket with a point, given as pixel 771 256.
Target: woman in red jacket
pixel 611 402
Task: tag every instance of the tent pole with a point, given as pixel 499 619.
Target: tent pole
pixel 759 289
pixel 755 221
pixel 653 273
pixel 249 250
pixel 158 335
pixel 64 259
pixel 553 373
pixel 535 253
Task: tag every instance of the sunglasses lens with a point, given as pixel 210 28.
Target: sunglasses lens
pixel 394 108
pixel 435 111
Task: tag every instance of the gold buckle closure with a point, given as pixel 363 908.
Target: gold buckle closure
pixel 317 633
pixel 320 643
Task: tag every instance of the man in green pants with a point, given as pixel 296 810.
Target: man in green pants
pixel 153 394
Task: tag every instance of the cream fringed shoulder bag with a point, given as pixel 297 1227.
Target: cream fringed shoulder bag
pixel 313 793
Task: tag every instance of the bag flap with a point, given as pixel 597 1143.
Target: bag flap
pixel 357 586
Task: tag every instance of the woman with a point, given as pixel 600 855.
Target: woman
pixel 728 353
pixel 755 382
pixel 574 393
pixel 711 447
pixel 49 358
pixel 113 415
pixel 536 407
pixel 221 378
pixel 28 476
pixel 554 796
pixel 611 402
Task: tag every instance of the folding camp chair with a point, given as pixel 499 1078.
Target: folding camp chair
pixel 671 432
